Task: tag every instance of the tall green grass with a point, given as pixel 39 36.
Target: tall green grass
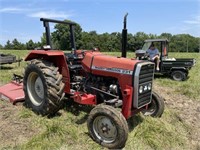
pixel 7 70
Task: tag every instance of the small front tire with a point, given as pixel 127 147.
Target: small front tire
pixel 156 107
pixel 108 127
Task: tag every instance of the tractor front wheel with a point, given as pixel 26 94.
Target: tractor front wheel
pixel 108 127
pixel 43 87
pixel 156 107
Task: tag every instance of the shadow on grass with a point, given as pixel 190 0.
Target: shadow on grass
pixel 5 67
pixel 134 122
pixel 161 76
pixel 165 76
pixel 76 109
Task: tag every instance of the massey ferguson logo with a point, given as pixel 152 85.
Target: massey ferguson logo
pixel 116 70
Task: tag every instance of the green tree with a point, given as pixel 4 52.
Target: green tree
pixel 105 42
pixel 130 42
pixel 30 45
pixel 115 40
pixel 1 46
pixel 61 36
pixel 18 45
pixel 139 38
pixel 43 40
pixel 183 43
pixel 38 45
pixel 8 45
pixel 89 40
pixel 166 35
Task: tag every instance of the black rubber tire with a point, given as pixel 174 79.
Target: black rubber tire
pixel 116 119
pixel 156 107
pixel 43 75
pixel 178 75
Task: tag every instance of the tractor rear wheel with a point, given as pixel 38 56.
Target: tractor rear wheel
pixel 43 87
pixel 108 127
pixel 178 75
pixel 156 107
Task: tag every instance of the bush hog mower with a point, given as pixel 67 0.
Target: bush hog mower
pixel 92 78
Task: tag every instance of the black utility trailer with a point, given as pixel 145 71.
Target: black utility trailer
pixel 176 68
pixel 8 59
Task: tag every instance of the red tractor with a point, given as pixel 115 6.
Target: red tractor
pixel 90 77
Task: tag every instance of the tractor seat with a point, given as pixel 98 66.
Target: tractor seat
pixel 73 62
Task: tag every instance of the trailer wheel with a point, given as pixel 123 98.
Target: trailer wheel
pixel 178 75
pixel 156 107
pixel 108 127
pixel 43 87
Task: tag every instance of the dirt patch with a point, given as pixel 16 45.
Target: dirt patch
pixel 13 131
pixel 188 111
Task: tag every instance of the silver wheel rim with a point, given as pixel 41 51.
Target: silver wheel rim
pixel 104 129
pixel 178 76
pixel 35 89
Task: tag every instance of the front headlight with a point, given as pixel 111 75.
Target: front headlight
pixel 140 89
pixel 149 86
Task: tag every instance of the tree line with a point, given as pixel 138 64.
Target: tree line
pixel 105 41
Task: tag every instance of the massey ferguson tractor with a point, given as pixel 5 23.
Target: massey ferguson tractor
pixel 117 87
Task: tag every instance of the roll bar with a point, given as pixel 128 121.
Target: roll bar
pixel 47 31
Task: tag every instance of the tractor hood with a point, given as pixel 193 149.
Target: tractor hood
pixel 101 64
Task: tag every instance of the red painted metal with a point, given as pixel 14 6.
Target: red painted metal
pixel 100 60
pixel 91 61
pixel 127 101
pixel 88 99
pixel 12 92
pixel 58 58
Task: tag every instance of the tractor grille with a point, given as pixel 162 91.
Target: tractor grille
pixel 142 82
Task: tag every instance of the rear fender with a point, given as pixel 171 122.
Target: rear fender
pixel 57 58
pixel 179 68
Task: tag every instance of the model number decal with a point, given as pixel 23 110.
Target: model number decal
pixel 117 70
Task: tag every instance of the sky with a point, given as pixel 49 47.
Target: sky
pixel 20 18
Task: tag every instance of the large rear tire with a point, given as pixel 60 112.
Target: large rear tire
pixel 43 87
pixel 108 127
pixel 156 107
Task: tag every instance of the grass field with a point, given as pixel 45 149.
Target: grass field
pixel 68 130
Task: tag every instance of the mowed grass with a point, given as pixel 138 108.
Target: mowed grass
pixel 68 129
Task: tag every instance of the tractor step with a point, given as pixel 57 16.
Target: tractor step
pixel 12 92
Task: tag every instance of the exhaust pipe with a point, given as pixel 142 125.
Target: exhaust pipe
pixel 124 38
